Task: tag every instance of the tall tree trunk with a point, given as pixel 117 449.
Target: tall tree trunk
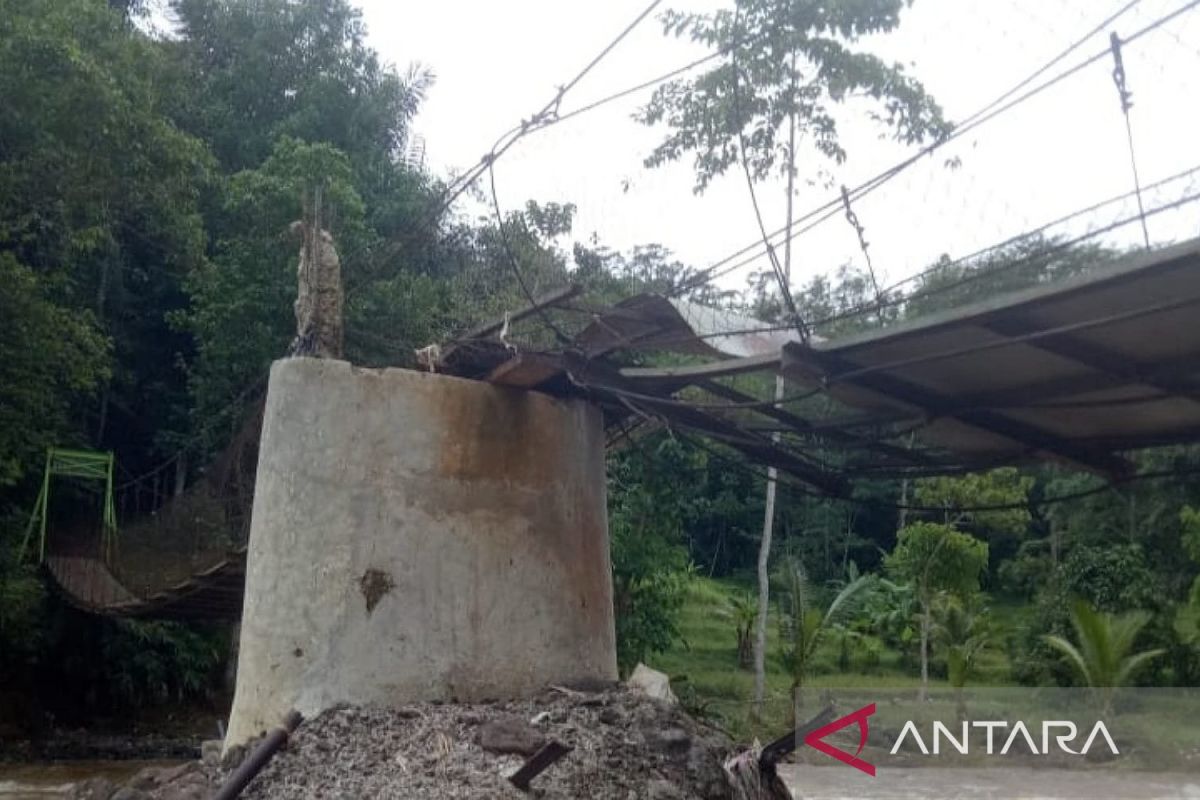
pixel 1131 517
pixel 764 547
pixel 764 583
pixel 101 299
pixel 180 473
pixel 902 517
pixel 924 650
pixel 849 531
pixel 825 539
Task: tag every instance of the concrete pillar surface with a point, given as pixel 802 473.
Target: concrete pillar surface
pixel 419 537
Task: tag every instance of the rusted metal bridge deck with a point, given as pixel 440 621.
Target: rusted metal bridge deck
pixel 213 594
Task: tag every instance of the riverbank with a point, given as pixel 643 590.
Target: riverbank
pixel 60 779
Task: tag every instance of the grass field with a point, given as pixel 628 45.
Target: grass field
pixel 704 671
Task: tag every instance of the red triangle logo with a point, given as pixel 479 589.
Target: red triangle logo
pixel 815 738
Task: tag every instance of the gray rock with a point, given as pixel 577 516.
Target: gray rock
pixel 706 773
pixel 93 789
pixel 192 786
pixel 210 752
pixel 672 740
pixel 510 736
pixel 652 683
pixel 143 780
pixel 173 774
pixel 610 716
pixel 129 793
pixel 233 756
pixel 660 789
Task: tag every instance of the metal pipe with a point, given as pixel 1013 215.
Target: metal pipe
pixel 253 764
pixel 538 763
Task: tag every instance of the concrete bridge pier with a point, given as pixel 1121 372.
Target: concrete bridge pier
pixel 420 537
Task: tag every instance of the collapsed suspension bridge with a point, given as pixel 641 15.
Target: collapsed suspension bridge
pixel 1079 373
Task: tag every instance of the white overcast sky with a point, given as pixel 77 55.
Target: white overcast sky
pixel 497 61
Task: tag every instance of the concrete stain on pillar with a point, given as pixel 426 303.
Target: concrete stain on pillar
pixel 503 436
pixel 374 584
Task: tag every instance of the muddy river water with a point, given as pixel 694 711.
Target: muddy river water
pixel 55 779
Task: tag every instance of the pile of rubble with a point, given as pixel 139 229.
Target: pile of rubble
pixel 624 745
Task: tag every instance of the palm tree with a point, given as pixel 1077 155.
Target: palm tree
pixel 963 631
pixel 742 610
pixel 804 626
pixel 1103 659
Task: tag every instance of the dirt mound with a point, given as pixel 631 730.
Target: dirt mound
pixel 626 747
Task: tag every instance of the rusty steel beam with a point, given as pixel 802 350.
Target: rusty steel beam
pixel 933 404
pixel 604 380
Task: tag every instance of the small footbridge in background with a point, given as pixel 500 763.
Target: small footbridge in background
pixel 154 547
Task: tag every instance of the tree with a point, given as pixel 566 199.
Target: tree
pixel 961 629
pixel 1102 659
pixel 1190 518
pixel 241 315
pixel 50 359
pixel 257 71
pixel 742 609
pixel 999 487
pixel 1030 261
pixel 935 558
pixel 805 623
pixel 650 566
pixel 790 62
pixel 106 214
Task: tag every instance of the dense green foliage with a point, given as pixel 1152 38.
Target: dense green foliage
pixel 650 564
pixel 147 187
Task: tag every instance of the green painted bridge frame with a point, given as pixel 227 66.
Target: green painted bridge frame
pixel 83 464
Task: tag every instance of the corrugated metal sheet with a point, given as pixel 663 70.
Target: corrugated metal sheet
pixel 1074 372
pixel 654 322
